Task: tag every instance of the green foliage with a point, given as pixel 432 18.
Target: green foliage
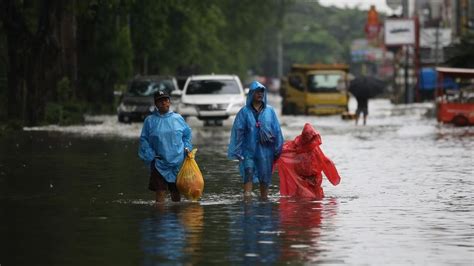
pixel 3 74
pixel 314 33
pixel 463 53
pixel 64 114
pixel 124 55
pixel 211 36
pixel 105 52
pixel 117 39
pixel 63 90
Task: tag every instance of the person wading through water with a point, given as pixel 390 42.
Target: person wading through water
pixel 256 140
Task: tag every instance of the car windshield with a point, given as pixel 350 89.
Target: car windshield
pixel 213 87
pixel 148 88
pixel 326 82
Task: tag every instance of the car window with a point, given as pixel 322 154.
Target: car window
pixel 148 88
pixel 296 82
pixel 213 87
pixel 325 82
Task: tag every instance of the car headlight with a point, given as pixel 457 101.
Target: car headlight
pixel 126 108
pixel 222 106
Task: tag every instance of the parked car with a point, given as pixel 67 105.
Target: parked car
pixel 212 98
pixel 137 102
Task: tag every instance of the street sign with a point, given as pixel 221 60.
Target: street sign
pixel 394 4
pixel 399 32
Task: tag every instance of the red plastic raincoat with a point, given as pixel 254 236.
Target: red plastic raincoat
pixel 301 163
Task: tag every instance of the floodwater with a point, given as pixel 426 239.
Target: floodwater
pixel 78 196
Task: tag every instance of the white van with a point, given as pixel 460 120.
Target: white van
pixel 211 98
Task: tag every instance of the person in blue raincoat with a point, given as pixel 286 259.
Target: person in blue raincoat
pixel 164 141
pixel 256 140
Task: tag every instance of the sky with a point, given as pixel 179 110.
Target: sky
pixel 380 5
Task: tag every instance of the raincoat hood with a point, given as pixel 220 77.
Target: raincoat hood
pixel 254 86
pixel 308 139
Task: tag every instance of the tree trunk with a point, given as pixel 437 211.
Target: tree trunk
pixel 33 58
pixel 14 77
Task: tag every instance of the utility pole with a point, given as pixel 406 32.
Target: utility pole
pixel 279 48
pixel 405 8
pixel 436 44
pixel 279 53
pixel 407 54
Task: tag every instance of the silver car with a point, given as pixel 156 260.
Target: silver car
pixel 137 102
pixel 212 98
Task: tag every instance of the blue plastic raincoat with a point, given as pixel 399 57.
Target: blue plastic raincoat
pixel 256 139
pixel 164 138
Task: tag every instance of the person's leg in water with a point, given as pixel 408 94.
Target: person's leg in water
pixel 248 178
pixel 357 114
pixel 160 196
pixel 263 191
pixel 174 192
pixel 364 109
pixel 157 184
pixel 365 112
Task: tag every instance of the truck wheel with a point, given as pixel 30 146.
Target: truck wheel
pixel 460 121
pixel 124 119
pixel 290 109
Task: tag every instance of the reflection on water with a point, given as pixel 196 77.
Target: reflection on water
pixel 254 232
pixel 78 196
pixel 296 216
pixel 172 233
pixel 301 224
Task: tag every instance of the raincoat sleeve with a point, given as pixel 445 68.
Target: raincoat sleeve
pixel 279 136
pixel 234 151
pixel 187 135
pixel 145 152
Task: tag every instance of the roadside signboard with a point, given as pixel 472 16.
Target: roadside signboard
pixel 399 32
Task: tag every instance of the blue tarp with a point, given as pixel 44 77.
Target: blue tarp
pixel 428 80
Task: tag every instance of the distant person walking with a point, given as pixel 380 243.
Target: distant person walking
pixel 256 140
pixel 164 139
pixel 363 88
pixel 362 108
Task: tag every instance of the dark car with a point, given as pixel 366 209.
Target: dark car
pixel 137 102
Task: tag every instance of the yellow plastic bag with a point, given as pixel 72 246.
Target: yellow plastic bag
pixel 189 180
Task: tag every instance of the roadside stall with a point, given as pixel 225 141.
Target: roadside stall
pixel 455 106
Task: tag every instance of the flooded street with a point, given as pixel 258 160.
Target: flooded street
pixel 78 196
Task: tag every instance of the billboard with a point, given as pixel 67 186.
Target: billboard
pixel 400 32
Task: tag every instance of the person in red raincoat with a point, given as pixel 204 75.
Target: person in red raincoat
pixel 301 165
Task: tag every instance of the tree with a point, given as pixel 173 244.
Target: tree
pixel 463 53
pixel 314 33
pixel 32 35
pixel 104 50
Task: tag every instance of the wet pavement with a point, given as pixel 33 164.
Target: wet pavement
pixel 77 196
